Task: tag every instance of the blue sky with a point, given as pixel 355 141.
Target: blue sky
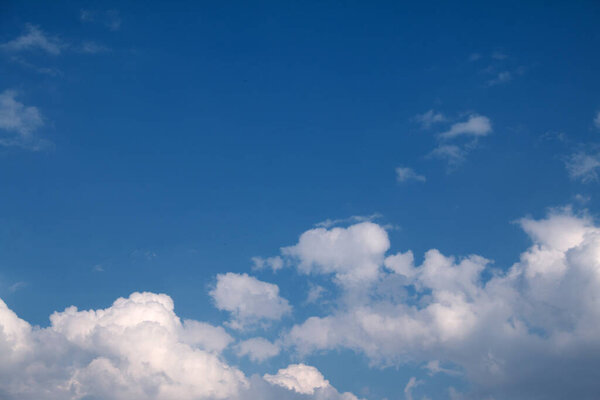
pixel 157 147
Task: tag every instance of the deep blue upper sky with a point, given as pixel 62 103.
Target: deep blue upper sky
pixel 197 135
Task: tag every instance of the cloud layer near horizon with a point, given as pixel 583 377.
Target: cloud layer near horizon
pixel 532 331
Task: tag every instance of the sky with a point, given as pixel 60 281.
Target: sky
pixel 299 200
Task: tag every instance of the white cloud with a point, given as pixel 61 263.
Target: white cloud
pixel 429 118
pixel 249 300
pixel 257 349
pixel 412 383
pixel 301 378
pixel 135 349
pixel 205 336
pixel 518 334
pixel 597 120
pixel 353 255
pixel 20 122
pixel 404 174
pixel 34 38
pixel 275 263
pixel 474 126
pixel 453 154
pixel 132 349
pixel 328 223
pixel 583 166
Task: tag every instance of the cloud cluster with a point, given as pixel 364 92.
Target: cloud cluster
pixel 531 332
pixel 138 348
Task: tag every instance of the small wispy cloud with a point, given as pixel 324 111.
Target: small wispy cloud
pixel 498 55
pixel 412 383
pixel 20 122
pixel 328 223
pixel 597 120
pixel 502 77
pixel 93 48
pixel 405 174
pixel 111 18
pixel 583 166
pixel 16 286
pixel 454 155
pixel 474 57
pixel 34 39
pixel 474 126
pixel 429 118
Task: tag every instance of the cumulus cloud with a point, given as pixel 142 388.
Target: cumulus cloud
pixel 352 255
pixel 300 378
pixel 517 334
pixel 138 348
pixel 583 166
pixel 257 349
pixel 404 174
pixel 34 39
pixel 474 126
pixel 249 300
pixel 429 118
pixel 20 122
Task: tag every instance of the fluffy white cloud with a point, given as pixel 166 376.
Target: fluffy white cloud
pixel 301 378
pixel 257 349
pixel 133 349
pixel 205 336
pixel 404 174
pixel 583 166
pixel 34 38
pixel 136 349
pixel 353 255
pixel 20 121
pixel 474 126
pixel 518 334
pixel 249 300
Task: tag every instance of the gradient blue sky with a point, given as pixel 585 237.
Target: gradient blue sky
pixel 172 142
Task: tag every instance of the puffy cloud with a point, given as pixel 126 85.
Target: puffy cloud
pixel 353 255
pixel 21 120
pixel 583 166
pixel 249 300
pixel 205 336
pixel 404 174
pixel 518 334
pixel 34 38
pixel 257 349
pixel 301 378
pixel 133 349
pixel 138 348
pixel 474 126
